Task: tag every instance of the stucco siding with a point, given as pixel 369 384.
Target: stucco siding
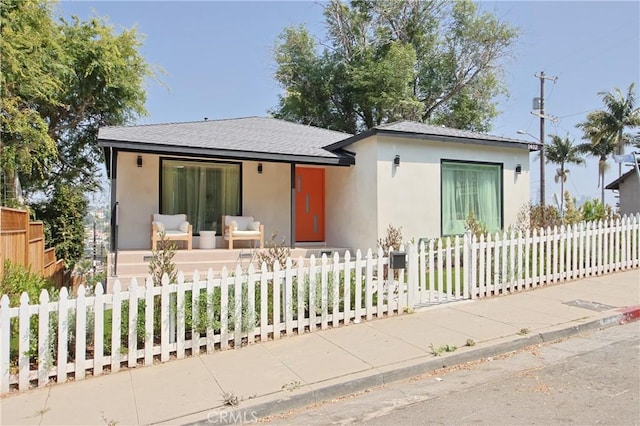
pixel 351 200
pixel 138 193
pixel 267 197
pixel 409 195
pixel 630 195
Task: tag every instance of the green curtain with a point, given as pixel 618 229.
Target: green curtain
pixel 470 188
pixel 205 191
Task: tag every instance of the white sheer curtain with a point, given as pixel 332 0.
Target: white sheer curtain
pixel 470 188
pixel 205 191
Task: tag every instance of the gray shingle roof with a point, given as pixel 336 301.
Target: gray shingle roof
pixel 240 135
pixel 426 131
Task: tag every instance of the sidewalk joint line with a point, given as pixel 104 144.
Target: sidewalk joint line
pixel 133 392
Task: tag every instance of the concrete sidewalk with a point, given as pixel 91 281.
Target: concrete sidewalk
pixel 276 376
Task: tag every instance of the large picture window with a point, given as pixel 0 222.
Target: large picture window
pixel 205 191
pixel 470 187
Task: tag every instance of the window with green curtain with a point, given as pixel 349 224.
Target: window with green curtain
pixel 204 191
pixel 471 187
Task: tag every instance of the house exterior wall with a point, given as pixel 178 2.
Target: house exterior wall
pixel 368 197
pixel 265 196
pixel 138 194
pixel 630 195
pixel 351 200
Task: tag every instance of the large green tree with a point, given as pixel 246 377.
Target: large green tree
pixel 562 152
pixel 62 80
pixel 431 61
pixel 620 114
pixel 30 50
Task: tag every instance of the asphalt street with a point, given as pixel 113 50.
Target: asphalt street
pixel 588 379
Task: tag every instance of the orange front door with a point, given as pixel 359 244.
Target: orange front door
pixel 309 204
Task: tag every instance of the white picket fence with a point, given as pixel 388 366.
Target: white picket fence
pixel 90 334
pixel 468 267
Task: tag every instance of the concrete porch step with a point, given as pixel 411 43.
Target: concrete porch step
pixel 135 263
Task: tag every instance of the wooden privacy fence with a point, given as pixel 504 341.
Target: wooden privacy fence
pixel 22 242
pixel 97 332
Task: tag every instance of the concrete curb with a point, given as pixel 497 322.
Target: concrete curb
pixel 318 392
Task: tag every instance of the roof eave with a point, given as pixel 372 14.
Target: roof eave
pixel 339 159
pixel 615 185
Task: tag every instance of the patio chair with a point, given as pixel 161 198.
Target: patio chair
pixel 175 227
pixel 242 228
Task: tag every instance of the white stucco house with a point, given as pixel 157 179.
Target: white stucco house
pixel 628 188
pixel 310 184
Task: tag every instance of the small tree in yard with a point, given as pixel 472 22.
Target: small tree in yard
pixel 476 227
pixel 393 239
pixel 276 252
pixel 162 260
pixel 572 215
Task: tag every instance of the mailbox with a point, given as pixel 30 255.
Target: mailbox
pixel 397 260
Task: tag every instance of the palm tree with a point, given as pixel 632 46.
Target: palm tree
pixel 620 113
pixel 562 151
pixel 601 147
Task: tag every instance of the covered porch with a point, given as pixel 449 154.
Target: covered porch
pixel 273 171
pixel 135 263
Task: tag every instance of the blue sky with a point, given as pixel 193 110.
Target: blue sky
pixel 218 62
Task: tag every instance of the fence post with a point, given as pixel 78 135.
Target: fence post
pixel 116 314
pixel 413 275
pixel 81 334
pixel 132 330
pixel 43 339
pixel 5 339
pixel 165 313
pixel 468 276
pixel 346 287
pixel 23 344
pixel 181 314
pixel 98 339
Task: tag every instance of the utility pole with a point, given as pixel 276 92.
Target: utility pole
pixel 542 78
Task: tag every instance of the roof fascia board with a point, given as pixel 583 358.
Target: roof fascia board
pixel 616 183
pixel 350 140
pixel 342 160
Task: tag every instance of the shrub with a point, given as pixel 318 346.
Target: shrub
pixel 476 227
pixel 393 239
pixel 594 210
pixel 572 215
pixel 275 252
pixel 162 260
pixel 18 279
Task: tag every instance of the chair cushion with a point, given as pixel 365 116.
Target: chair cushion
pixel 246 233
pixel 184 227
pixel 175 233
pixel 242 222
pixel 170 221
pixel 254 226
pixel 159 226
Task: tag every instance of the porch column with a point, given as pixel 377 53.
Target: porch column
pixel 113 174
pixel 293 205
